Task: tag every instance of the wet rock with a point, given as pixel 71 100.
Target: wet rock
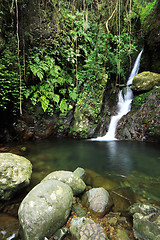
pixel 15 174
pixel 142 122
pixel 45 209
pixel 77 185
pixel 122 199
pixel 97 200
pixel 60 234
pixel 146 221
pixel 145 81
pixel 143 209
pixel 85 228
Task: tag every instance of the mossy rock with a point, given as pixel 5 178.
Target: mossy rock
pixel 145 81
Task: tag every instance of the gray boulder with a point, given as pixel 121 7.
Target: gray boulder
pixel 76 183
pixel 98 201
pixel 45 209
pixel 146 222
pixel 15 174
pixel 85 228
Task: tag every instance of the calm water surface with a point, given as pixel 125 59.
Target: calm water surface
pixel 130 164
pixel 121 157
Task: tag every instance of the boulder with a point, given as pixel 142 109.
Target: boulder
pixel 146 221
pixel 45 209
pixel 15 174
pixel 85 228
pixel 145 81
pixel 77 185
pixel 98 201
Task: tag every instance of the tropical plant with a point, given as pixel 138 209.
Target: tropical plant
pixel 53 87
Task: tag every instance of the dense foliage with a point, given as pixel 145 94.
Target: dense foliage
pixel 92 40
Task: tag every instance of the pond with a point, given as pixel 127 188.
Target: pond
pixel 128 164
pixel 138 163
pixel 122 157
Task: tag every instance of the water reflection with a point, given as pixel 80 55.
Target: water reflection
pixel 121 157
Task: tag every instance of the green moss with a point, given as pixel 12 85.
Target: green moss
pixel 140 99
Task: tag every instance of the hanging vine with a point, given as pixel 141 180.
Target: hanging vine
pixel 130 31
pixel 114 11
pixel 18 50
pixel 18 57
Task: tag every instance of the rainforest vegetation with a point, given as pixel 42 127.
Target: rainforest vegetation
pixel 63 51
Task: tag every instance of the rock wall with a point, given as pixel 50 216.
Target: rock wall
pixel 142 123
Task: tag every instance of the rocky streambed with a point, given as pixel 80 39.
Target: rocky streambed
pixel 74 205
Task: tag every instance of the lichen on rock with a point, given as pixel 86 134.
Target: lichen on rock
pixel 145 81
pixel 45 209
pixel 15 174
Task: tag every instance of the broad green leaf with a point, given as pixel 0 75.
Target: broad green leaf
pixel 63 106
pixel 44 103
pixel 56 98
pixel 40 74
pixel 73 94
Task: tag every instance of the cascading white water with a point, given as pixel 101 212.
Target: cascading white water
pixel 124 104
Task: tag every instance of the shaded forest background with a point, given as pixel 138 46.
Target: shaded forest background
pixel 63 58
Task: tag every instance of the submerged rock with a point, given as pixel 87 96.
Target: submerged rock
pixel 77 185
pixel 98 201
pixel 146 222
pixel 122 199
pixel 145 81
pixel 45 209
pixel 15 174
pixel 96 180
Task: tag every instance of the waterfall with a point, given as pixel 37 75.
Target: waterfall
pixel 123 105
